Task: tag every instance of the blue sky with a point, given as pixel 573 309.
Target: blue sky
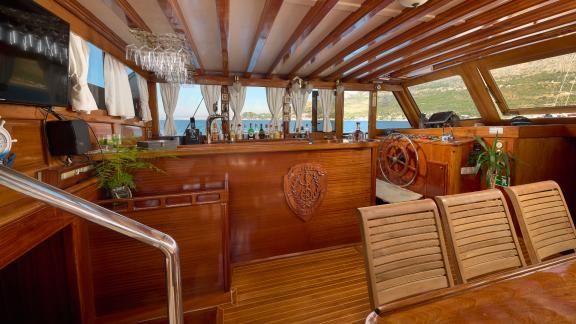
pixel 190 96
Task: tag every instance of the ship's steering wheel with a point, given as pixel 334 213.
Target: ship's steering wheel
pixel 398 159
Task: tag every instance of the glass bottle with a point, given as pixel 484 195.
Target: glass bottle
pixel 215 132
pixel 307 131
pixel 239 132
pixel 261 134
pixel 266 132
pixel 302 133
pixel 358 135
pixel 250 132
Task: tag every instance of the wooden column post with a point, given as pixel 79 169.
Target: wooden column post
pixel 480 95
pixel 153 102
pixel 314 111
pixel 372 112
pixel 339 114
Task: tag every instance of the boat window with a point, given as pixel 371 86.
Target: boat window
pixel 189 98
pixel 539 86
pixel 255 109
pixel 448 94
pixel 356 107
pixel 320 117
pixel 306 115
pixel 96 74
pixel 133 80
pixel 389 114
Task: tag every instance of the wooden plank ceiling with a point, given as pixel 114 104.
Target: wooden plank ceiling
pixel 349 40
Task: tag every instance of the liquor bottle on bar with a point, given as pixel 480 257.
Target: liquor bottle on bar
pixel 250 132
pixel 266 132
pixel 261 134
pixel 224 111
pixel 358 135
pixel 307 131
pixel 239 132
pixel 215 132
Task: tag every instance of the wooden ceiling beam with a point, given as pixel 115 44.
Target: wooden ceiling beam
pixel 423 52
pixel 388 26
pixel 134 19
pixel 368 9
pixel 414 34
pixel 91 20
pixel 223 12
pixel 523 32
pixel 177 20
pixel 306 26
pixel 269 14
pixel 562 36
pixel 435 40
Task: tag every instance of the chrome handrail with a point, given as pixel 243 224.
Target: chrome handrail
pixel 101 216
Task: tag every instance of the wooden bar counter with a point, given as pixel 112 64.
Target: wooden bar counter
pixel 285 197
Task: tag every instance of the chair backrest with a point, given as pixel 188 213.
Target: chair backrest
pixel 480 230
pixel 404 250
pixel 544 219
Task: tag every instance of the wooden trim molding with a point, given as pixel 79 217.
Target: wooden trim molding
pixel 133 16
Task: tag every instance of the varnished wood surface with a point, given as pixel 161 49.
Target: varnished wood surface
pixel 405 250
pixel 545 293
pixel 544 219
pixel 262 224
pixel 321 287
pixel 128 275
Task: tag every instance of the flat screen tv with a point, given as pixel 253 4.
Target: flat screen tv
pixel 33 55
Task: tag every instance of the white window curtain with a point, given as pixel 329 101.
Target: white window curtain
pixel 237 98
pixel 275 98
pixel 81 98
pixel 211 95
pixel 328 105
pixel 118 95
pixel 144 99
pixel 299 100
pixel 169 93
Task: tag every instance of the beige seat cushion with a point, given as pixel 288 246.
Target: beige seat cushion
pixel 392 193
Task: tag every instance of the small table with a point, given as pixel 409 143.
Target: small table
pixel 544 293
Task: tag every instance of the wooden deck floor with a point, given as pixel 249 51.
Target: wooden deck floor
pixel 324 287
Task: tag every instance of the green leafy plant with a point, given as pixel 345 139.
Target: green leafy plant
pixel 115 170
pixel 492 161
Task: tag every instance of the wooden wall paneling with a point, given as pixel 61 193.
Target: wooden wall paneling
pixel 129 276
pixel 262 225
pixel 480 94
pixel 29 149
pixel 339 114
pixel 372 113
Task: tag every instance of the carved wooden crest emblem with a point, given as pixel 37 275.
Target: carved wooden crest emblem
pixel 304 187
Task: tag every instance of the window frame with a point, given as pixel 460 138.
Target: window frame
pixel 394 95
pixel 439 75
pixel 486 67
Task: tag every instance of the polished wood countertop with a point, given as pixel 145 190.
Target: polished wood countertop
pixel 544 293
pixel 253 147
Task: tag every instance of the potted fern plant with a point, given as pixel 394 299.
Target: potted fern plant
pixel 115 171
pixel 493 161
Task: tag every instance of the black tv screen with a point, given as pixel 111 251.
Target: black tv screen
pixel 33 55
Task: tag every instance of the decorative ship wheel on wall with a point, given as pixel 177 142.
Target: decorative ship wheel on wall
pixel 398 160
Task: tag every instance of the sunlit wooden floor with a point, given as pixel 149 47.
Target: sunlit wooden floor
pixel 324 287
